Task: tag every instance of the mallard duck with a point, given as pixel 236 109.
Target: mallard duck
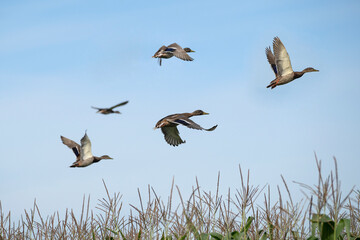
pixel 83 153
pixel 110 110
pixel 173 50
pixel 169 124
pixel 281 65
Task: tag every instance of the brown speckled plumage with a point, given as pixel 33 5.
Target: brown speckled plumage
pixel 173 50
pixel 83 153
pixel 281 65
pixel 169 124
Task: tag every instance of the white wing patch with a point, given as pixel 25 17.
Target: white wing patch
pixel 282 58
pixel 86 148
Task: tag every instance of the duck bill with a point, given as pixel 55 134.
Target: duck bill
pixel 205 113
pixel 192 51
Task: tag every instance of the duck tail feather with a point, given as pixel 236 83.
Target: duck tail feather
pixel 212 128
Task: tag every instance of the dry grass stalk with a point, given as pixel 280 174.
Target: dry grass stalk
pixel 201 212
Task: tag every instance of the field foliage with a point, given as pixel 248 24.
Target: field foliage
pixel 250 213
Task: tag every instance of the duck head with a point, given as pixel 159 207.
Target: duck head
pixel 310 69
pixel 105 157
pixel 188 50
pixel 199 112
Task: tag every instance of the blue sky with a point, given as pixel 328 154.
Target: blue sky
pixel 59 58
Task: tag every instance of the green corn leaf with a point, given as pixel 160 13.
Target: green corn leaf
pixel 320 218
pixel 183 237
pixel 340 227
pixel 237 236
pixel 139 235
pixel 122 235
pixel 192 228
pixel 314 225
pixel 347 227
pixel 247 225
pixel 271 231
pixel 93 235
pixel 227 236
pixel 264 236
pixel 324 224
pixel 327 230
pixel 112 231
pixel 204 236
pixel 312 238
pixel 216 236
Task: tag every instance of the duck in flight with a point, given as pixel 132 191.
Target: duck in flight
pixel 83 153
pixel 281 65
pixel 110 110
pixel 169 124
pixel 173 50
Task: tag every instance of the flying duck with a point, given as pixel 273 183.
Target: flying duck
pixel 281 65
pixel 110 110
pixel 173 50
pixel 83 153
pixel 169 124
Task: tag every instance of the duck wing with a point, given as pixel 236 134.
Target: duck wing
pixel 173 47
pixel 191 124
pixel 282 59
pixel 118 105
pixel 86 147
pixel 72 145
pixel 97 108
pixel 271 59
pixel 179 52
pixel 171 135
pixel 161 49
